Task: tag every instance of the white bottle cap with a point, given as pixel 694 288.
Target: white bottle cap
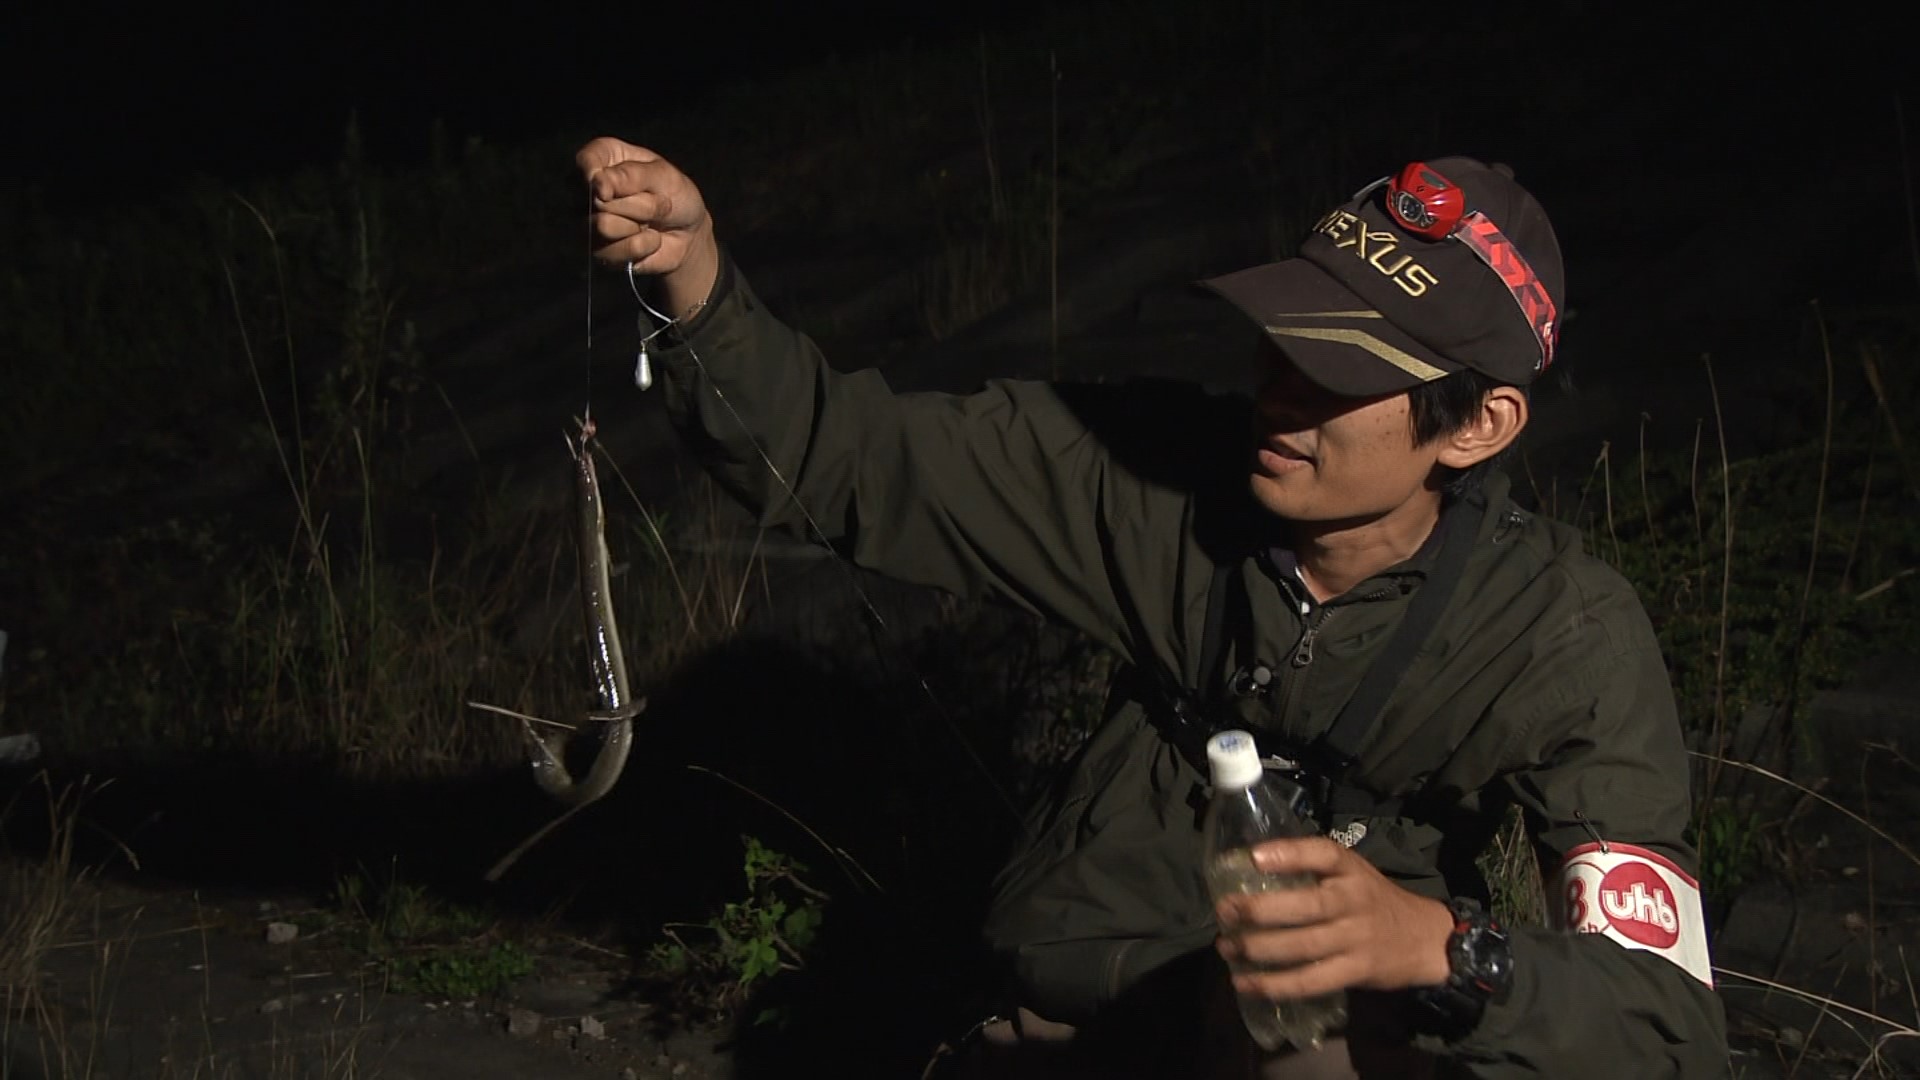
pixel 1234 759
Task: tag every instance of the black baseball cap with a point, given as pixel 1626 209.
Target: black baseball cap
pixel 1398 286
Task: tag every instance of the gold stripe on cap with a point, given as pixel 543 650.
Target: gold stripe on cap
pixel 1401 359
pixel 1331 315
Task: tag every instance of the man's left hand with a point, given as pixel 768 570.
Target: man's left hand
pixel 1351 929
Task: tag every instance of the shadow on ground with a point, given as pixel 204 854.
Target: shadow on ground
pixel 756 739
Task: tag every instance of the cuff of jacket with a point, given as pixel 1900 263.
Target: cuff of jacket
pixel 725 289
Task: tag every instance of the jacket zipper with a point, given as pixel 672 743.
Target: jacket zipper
pixel 1303 649
pixel 1303 654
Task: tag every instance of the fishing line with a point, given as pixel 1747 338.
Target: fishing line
pixel 642 366
pixel 587 409
pixel 643 379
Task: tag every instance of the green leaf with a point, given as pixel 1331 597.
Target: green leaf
pixel 801 926
pixel 761 960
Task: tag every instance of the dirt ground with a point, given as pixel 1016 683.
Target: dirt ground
pixel 173 983
pixel 169 983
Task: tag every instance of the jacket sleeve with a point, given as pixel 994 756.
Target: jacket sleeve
pixel 1620 983
pixel 1021 492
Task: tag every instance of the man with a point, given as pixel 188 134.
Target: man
pixel 1350 581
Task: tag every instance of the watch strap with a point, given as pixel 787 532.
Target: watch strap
pixel 1480 970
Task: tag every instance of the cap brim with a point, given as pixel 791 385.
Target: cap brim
pixel 1328 332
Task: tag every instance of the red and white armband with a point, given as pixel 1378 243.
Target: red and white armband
pixel 1638 898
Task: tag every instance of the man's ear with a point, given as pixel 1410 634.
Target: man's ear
pixel 1502 415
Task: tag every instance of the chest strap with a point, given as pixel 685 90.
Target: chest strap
pixel 1334 752
pixel 1329 758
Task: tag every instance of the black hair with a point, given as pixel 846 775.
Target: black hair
pixel 1446 405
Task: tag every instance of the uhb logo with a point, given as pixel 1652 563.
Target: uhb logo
pixel 1631 899
pixel 1636 901
pixel 1637 898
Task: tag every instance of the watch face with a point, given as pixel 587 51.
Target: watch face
pixel 1489 955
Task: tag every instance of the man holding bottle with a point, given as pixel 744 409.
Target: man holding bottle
pixel 1334 565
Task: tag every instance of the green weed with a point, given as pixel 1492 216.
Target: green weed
pixel 423 944
pixel 1731 844
pixel 710 968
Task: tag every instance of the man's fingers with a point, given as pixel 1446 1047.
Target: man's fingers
pixel 1286 948
pixel 645 213
pixel 643 208
pixel 1305 981
pixel 1312 854
pixel 631 177
pixel 1281 907
pixel 637 248
pixel 613 227
pixel 603 153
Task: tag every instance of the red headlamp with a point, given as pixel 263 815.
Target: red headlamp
pixel 1428 205
pixel 1424 203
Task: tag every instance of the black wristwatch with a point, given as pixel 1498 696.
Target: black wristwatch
pixel 1480 963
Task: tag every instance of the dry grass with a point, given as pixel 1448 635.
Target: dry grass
pixel 1871 1026
pixel 86 1038
pixel 1512 871
pixel 55 1030
pixel 37 896
pixel 328 649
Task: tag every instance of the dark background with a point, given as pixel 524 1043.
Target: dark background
pixel 102 98
pixel 1753 154
pixel 238 92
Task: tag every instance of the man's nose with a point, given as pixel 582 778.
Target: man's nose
pixel 1288 397
pixel 1281 411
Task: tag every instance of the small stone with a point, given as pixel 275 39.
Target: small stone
pixel 280 933
pixel 592 1029
pixel 1853 921
pixel 1790 1037
pixel 280 1004
pixel 19 749
pixel 522 1022
pixel 680 1069
pixel 629 1073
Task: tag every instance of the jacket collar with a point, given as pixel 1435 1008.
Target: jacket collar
pixel 1482 501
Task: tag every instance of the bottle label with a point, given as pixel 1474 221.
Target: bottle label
pixel 1638 898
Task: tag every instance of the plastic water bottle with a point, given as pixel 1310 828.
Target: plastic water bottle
pixel 1249 806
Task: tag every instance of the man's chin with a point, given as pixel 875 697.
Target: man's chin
pixel 1287 498
pixel 1272 493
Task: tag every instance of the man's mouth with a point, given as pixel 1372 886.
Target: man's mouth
pixel 1276 456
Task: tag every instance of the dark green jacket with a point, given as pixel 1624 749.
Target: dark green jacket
pixel 1106 508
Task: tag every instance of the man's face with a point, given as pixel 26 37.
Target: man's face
pixel 1323 458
